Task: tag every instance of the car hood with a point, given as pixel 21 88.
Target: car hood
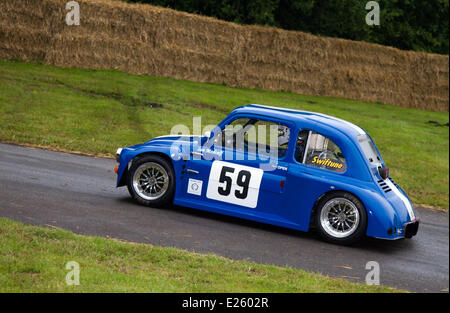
pixel 170 139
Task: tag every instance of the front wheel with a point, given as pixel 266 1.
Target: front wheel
pixel 341 218
pixel 151 181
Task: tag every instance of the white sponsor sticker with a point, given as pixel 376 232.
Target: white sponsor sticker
pixel 233 183
pixel 195 187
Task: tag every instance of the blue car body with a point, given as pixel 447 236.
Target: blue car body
pixel 289 192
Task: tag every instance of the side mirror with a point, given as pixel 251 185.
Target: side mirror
pixel 207 134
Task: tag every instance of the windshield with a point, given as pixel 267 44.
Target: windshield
pixel 369 150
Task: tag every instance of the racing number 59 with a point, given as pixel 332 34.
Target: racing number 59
pixel 234 183
pixel 243 180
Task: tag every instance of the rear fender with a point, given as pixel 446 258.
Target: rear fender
pixel 381 216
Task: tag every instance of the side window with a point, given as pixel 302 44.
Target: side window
pixel 227 136
pixel 322 152
pixel 267 137
pixel 255 136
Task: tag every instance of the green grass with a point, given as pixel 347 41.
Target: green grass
pixel 33 259
pixel 98 111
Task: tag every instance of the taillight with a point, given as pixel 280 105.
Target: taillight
pixel 384 172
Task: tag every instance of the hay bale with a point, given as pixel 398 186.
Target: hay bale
pixel 143 39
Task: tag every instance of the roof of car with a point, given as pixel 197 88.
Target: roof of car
pixel 299 115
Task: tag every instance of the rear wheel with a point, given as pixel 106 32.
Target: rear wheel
pixel 151 181
pixel 341 218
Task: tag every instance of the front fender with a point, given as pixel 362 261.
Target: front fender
pixel 128 154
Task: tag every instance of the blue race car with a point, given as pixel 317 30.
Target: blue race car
pixel 289 168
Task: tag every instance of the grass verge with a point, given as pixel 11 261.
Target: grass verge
pixel 98 111
pixel 33 259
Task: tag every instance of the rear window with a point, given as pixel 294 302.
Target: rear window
pixel 369 150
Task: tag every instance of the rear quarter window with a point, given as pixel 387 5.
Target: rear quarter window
pixel 369 150
pixel 322 152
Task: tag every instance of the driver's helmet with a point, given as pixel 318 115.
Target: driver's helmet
pixel 283 135
pixel 301 139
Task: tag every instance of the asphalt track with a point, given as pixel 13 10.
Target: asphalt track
pixel 78 193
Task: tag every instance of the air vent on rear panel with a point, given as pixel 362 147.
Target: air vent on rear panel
pixel 384 186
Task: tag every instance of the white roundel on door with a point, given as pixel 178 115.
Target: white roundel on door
pixel 234 183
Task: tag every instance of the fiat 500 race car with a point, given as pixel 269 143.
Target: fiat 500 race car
pixel 289 168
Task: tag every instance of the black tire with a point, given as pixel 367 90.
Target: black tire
pixel 358 232
pixel 167 197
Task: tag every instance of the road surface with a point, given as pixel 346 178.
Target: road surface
pixel 78 193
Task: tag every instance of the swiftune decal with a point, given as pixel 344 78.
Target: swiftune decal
pixel 326 162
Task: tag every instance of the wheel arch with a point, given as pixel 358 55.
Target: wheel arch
pixel 380 212
pixel 356 233
pixel 316 203
pixel 147 153
pixel 124 177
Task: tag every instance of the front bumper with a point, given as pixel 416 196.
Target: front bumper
pixel 410 229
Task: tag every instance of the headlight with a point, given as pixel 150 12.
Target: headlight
pixel 118 152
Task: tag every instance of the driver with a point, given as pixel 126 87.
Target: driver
pixel 301 145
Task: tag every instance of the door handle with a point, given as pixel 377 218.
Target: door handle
pixel 196 153
pixel 192 171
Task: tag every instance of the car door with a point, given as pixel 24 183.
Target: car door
pixel 241 176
